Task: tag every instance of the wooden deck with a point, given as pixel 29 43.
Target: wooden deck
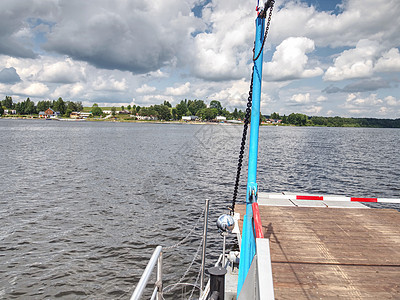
pixel 333 253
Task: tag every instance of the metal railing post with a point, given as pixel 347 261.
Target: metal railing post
pixel 203 254
pixel 146 274
pixel 159 282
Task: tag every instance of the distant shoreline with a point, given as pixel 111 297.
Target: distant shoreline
pixel 182 122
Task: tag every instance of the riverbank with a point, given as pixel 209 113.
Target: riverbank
pixel 357 123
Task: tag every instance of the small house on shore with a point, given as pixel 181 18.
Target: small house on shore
pixel 146 118
pixel 49 113
pixel 10 112
pixel 189 118
pixel 79 115
pixel 221 119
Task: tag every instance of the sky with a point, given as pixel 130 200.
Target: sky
pixel 321 58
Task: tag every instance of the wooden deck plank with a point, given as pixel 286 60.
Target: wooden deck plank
pixel 330 253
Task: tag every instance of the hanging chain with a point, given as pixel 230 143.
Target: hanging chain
pixel 270 4
pixel 243 144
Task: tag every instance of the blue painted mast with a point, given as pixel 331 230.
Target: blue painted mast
pixel 248 241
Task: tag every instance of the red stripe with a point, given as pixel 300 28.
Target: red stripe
pixel 364 199
pixel 309 198
pixel 257 221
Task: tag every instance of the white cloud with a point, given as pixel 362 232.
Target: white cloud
pixel 389 62
pixel 301 98
pixel 312 110
pixel 63 71
pixel 157 74
pixel 35 89
pixel 145 89
pixel 223 51
pixel 233 95
pixel 354 63
pixel 353 23
pixel 290 60
pixel 109 84
pixel 154 99
pixel 178 91
pixel 305 99
pixel 392 101
pixel 366 106
pixel 68 91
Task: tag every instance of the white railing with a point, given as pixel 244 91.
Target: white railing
pixel 258 283
pixel 156 258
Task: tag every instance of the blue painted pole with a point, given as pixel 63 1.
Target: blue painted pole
pixel 247 250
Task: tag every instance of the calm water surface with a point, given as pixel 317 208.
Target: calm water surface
pixel 83 205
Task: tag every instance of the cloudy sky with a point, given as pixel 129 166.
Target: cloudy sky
pixel 323 57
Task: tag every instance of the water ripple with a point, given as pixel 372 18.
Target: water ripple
pixel 84 204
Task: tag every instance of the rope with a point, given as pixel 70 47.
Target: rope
pixel 172 286
pixel 187 236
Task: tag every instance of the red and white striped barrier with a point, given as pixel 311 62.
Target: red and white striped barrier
pixel 329 198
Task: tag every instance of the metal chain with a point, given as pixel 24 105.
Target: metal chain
pixel 247 116
pixel 243 144
pixel 266 30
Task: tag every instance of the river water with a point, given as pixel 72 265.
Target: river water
pixel 84 204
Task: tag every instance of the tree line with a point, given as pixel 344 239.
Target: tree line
pixel 304 120
pixel 199 108
pixel 186 107
pixel 28 107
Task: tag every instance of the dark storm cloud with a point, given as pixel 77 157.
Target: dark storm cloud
pixel 15 39
pixel 133 36
pixel 9 75
pixel 368 85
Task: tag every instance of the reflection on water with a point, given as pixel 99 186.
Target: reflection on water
pixel 84 204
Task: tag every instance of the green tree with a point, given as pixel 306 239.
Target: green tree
pixel 122 107
pixel 96 110
pixel 43 105
pixel 181 109
pixel 79 106
pixel 235 114
pixel 113 110
pixel 284 119
pixel 166 103
pixel 129 107
pixel 20 108
pixel 226 113
pixel 30 107
pixel 71 106
pixel 217 105
pixel 208 113
pixel 68 112
pixel 8 102
pixel 319 121
pixel 262 118
pixel 297 119
pixel 195 106
pixel 1 110
pixel 174 115
pixel 163 112
pixel 275 116
pixel 148 111
pixel 59 106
